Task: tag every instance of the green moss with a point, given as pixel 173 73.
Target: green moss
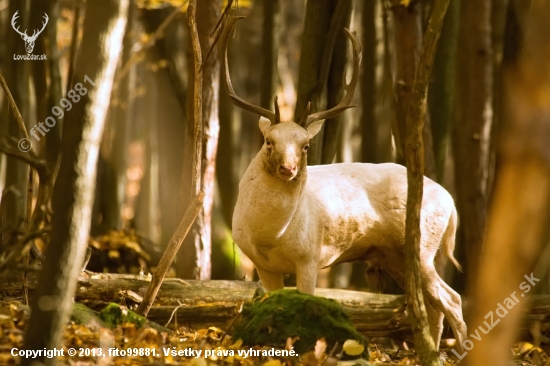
pixel 114 315
pixel 271 319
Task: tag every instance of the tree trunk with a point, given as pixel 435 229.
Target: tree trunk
pixel 520 211
pixel 335 84
pixel 74 190
pixel 442 88
pixel 324 23
pixel 369 124
pixel 414 153
pixel 408 41
pixel 472 127
pixel 194 257
pixel 14 195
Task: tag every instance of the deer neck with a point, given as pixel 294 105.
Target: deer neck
pixel 273 202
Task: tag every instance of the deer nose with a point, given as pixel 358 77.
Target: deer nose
pixel 287 170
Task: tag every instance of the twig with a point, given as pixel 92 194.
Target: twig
pixel 37 164
pixel 217 30
pixel 170 252
pixel 173 312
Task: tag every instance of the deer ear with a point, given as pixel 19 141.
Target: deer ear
pixel 264 125
pixel 314 128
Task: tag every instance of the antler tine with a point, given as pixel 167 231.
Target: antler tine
pixel 350 88
pixel 13 19
pixel 305 116
pixel 45 22
pixel 273 117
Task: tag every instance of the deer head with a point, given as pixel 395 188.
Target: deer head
pixel 286 143
pixel 29 40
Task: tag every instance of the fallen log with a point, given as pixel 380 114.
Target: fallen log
pixel 202 304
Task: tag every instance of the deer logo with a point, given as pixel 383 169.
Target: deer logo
pixel 29 40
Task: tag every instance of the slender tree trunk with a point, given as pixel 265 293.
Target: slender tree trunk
pixel 14 195
pixel 520 213
pixel 74 190
pixel 472 127
pixel 408 41
pixel 335 84
pixel 324 23
pixel 442 88
pixel 194 257
pixel 415 179
pixel 369 124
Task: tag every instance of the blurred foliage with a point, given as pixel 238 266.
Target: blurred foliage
pixel 159 4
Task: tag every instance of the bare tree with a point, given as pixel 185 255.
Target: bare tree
pixel 74 190
pixel 414 153
pixel 193 259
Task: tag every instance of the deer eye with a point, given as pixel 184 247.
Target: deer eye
pixel 268 143
pixel 306 147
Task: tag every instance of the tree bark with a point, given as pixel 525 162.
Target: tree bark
pixel 520 213
pixel 472 127
pixel 74 190
pixel 194 258
pixel 414 154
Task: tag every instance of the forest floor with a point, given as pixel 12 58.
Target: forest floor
pixel 96 344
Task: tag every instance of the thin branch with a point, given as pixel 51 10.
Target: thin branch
pixel 170 252
pixel 38 164
pixel 218 30
pixel 197 98
pixel 174 312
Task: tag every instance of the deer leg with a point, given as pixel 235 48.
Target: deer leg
pixel 445 299
pixel 306 277
pixel 271 281
pixel 435 320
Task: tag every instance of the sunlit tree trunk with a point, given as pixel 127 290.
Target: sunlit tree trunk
pixel 193 259
pixel 74 189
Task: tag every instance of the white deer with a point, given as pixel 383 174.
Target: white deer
pixel 29 40
pixel 291 218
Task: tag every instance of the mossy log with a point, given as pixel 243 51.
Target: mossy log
pixel 202 304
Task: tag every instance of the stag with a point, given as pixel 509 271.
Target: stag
pixel 29 40
pixel 294 218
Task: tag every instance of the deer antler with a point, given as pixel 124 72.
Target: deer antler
pixel 274 117
pixel 34 33
pixel 350 88
pixel 13 19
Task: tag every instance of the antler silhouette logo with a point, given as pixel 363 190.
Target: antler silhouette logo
pixel 29 40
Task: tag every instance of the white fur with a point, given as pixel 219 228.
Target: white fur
pixel 337 213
